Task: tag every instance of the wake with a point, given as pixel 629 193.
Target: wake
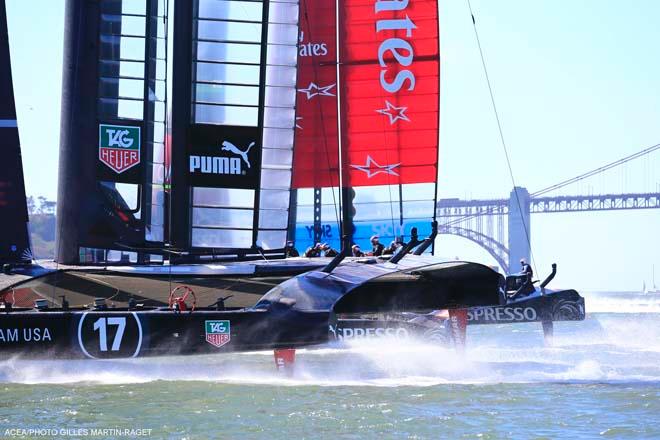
pixel 606 348
pixel 624 302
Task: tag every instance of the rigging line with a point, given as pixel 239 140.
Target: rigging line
pixel 499 127
pixel 598 170
pixel 645 152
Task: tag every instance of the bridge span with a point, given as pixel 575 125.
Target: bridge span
pixel 503 228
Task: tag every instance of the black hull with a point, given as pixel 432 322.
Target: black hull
pixel 162 332
pixel 563 305
pixel 121 333
pixel 356 301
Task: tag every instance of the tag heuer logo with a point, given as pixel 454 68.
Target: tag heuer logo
pixel 217 332
pixel 119 146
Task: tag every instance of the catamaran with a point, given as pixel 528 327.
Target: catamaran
pixel 198 138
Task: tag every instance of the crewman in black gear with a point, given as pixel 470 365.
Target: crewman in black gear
pixel 394 246
pixel 313 251
pixel 356 252
pixel 528 285
pixel 327 251
pixel 526 269
pixel 377 247
pixel 290 250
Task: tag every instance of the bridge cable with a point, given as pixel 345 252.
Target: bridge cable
pixel 499 127
pixel 489 211
pixel 598 170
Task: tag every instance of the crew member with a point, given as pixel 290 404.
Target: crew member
pixel 527 272
pixel 327 251
pixel 313 251
pixel 526 269
pixel 356 252
pixel 376 246
pixel 393 247
pixel 290 250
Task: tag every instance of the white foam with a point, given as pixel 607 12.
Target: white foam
pixel 607 348
pixel 625 302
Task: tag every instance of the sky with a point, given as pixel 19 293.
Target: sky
pixel 576 85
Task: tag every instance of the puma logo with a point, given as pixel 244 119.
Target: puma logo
pixel 228 146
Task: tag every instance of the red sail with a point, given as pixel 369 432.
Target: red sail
pixel 389 80
pixel 389 93
pixel 316 155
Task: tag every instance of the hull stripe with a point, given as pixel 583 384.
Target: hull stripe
pixel 8 123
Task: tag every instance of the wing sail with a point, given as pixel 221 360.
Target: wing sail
pixel 388 99
pixel 177 128
pixel 14 240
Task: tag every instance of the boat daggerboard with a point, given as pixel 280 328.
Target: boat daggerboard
pixel 386 89
pixel 14 241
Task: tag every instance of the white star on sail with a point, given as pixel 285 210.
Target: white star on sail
pixel 372 168
pixel 313 90
pixel 399 112
pixel 298 118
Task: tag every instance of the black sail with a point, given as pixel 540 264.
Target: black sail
pixel 14 240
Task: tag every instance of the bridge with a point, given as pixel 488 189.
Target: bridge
pixel 502 226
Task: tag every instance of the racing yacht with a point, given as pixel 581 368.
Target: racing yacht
pixel 179 186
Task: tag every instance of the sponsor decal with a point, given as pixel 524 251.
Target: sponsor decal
pixel 394 113
pixel 458 319
pixel 369 332
pixel 111 335
pixel 313 90
pixel 371 168
pixel 119 146
pixel 220 156
pixel 400 49
pixel 502 314
pixel 311 49
pixel 222 165
pixel 30 334
pixel 217 332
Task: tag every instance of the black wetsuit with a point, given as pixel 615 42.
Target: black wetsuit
pixel 377 250
pixel 291 252
pixel 312 252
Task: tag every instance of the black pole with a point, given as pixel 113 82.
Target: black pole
pixel 347 195
pixel 182 41
pixel 78 125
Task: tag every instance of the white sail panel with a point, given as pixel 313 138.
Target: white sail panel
pixel 245 65
pixel 279 114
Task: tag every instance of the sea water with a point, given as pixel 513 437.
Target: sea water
pixel 600 379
